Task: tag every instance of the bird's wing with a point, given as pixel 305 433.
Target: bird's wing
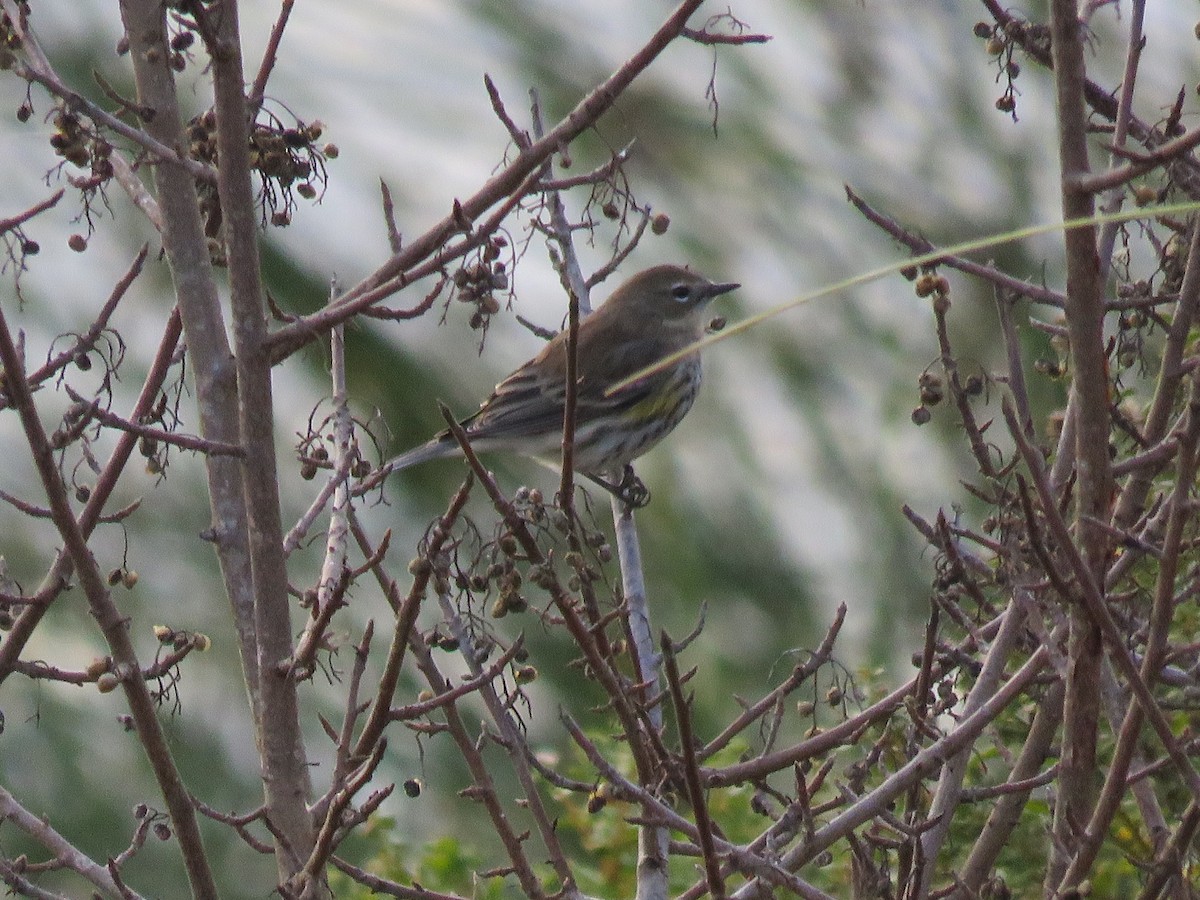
pixel 523 404
pixel 530 400
pixel 624 358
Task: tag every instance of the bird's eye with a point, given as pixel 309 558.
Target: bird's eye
pixel 681 291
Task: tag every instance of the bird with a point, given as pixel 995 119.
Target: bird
pixel 653 314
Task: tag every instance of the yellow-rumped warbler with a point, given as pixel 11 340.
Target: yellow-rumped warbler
pixel 653 314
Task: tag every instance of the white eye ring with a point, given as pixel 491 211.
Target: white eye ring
pixel 681 292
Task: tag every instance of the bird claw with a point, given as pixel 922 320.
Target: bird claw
pixel 631 490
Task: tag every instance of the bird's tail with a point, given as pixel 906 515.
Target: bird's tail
pixel 437 448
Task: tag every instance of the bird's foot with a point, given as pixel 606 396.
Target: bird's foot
pixel 630 490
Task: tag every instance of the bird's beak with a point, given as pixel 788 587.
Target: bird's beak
pixel 716 290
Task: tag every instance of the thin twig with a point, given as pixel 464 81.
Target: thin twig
pixel 1096 609
pixel 398 270
pixel 623 253
pixel 7 225
pixel 710 38
pixel 1169 860
pixel 344 738
pixel 483 787
pixel 512 739
pixel 111 620
pixel 661 816
pixel 395 242
pixel 40 71
pixel 86 341
pixel 406 617
pixel 258 90
pixel 1133 54
pixel 964 732
pixel 331 582
pixel 1140 162
pixel 687 746
pixel 568 606
pixel 471 685
pixel 919 245
pixel 1169 562
pixel 798 676
pixel 39 829
pixel 577 306
pixel 1171 373
pixel 949 791
pixel 519 136
pixel 174 438
pixel 56 578
pixel 829 738
pixel 337 478
pixel 388 888
pixel 598 175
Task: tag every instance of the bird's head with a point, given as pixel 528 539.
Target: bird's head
pixel 667 293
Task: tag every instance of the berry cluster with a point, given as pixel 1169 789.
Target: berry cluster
pixel 477 282
pixel 286 158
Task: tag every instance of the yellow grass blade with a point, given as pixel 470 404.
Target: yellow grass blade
pixel 971 246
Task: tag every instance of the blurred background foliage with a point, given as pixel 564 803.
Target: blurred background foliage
pixel 777 499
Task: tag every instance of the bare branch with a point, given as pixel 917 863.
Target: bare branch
pixel 687 746
pixel 1093 602
pixel 64 852
pixel 50 202
pixel 507 182
pixel 109 618
pixel 258 89
pixel 183 441
pixel 918 245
